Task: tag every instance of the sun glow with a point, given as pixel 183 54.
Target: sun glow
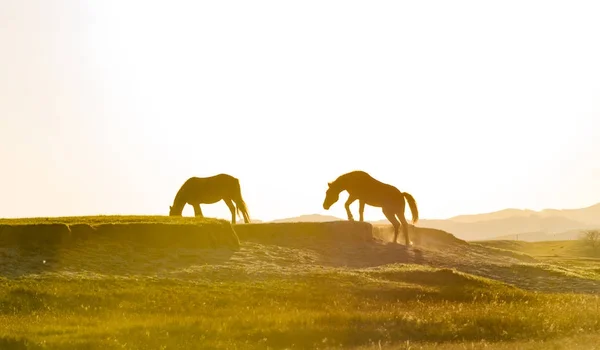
pixel 471 107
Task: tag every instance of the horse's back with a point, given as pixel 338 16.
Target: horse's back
pixel 358 173
pixel 363 178
pixel 365 183
pixel 210 189
pixel 215 178
pixel 219 182
pixel 356 176
pixel 226 177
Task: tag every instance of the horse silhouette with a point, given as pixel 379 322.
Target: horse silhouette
pixel 209 190
pixel 375 193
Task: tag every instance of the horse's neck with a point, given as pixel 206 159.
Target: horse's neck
pixel 341 185
pixel 179 201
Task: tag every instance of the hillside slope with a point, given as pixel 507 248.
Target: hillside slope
pixel 293 246
pixel 293 285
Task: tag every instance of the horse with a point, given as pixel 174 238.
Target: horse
pixel 362 186
pixel 209 190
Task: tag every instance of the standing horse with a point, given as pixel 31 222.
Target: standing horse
pixel 368 190
pixel 209 190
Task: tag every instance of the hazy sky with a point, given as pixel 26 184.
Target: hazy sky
pixel 107 107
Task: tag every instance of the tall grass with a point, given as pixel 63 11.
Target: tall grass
pixel 237 308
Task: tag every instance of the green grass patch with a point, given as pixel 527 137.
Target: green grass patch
pixel 111 219
pixel 558 258
pixel 574 248
pixel 234 308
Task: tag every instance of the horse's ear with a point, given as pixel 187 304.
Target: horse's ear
pixel 329 184
pixel 170 207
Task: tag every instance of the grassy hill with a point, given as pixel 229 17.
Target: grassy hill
pixel 110 219
pixel 541 236
pixel 563 249
pixel 298 285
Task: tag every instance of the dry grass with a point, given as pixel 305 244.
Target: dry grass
pixel 63 234
pixel 111 219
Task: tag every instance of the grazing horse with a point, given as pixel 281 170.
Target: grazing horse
pixel 368 190
pixel 209 190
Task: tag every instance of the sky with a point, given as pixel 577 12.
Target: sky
pixel 107 107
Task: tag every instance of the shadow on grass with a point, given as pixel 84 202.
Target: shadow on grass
pixel 115 249
pixel 13 343
pixel 108 258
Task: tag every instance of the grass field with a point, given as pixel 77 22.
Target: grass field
pixel 551 249
pixel 110 219
pixel 298 292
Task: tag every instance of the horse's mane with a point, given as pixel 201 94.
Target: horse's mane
pixel 352 173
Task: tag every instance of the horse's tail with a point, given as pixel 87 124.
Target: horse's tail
pixel 413 206
pixel 241 208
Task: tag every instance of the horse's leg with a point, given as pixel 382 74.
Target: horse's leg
pixel 400 213
pixel 391 216
pixel 231 209
pixel 361 209
pixel 350 200
pixel 197 210
pixel 404 228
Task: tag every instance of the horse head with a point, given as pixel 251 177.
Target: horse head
pixel 331 196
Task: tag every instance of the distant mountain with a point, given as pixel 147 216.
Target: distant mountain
pixel 496 215
pixel 535 225
pixel 530 225
pixel 309 218
pixel 589 215
pixel 508 226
